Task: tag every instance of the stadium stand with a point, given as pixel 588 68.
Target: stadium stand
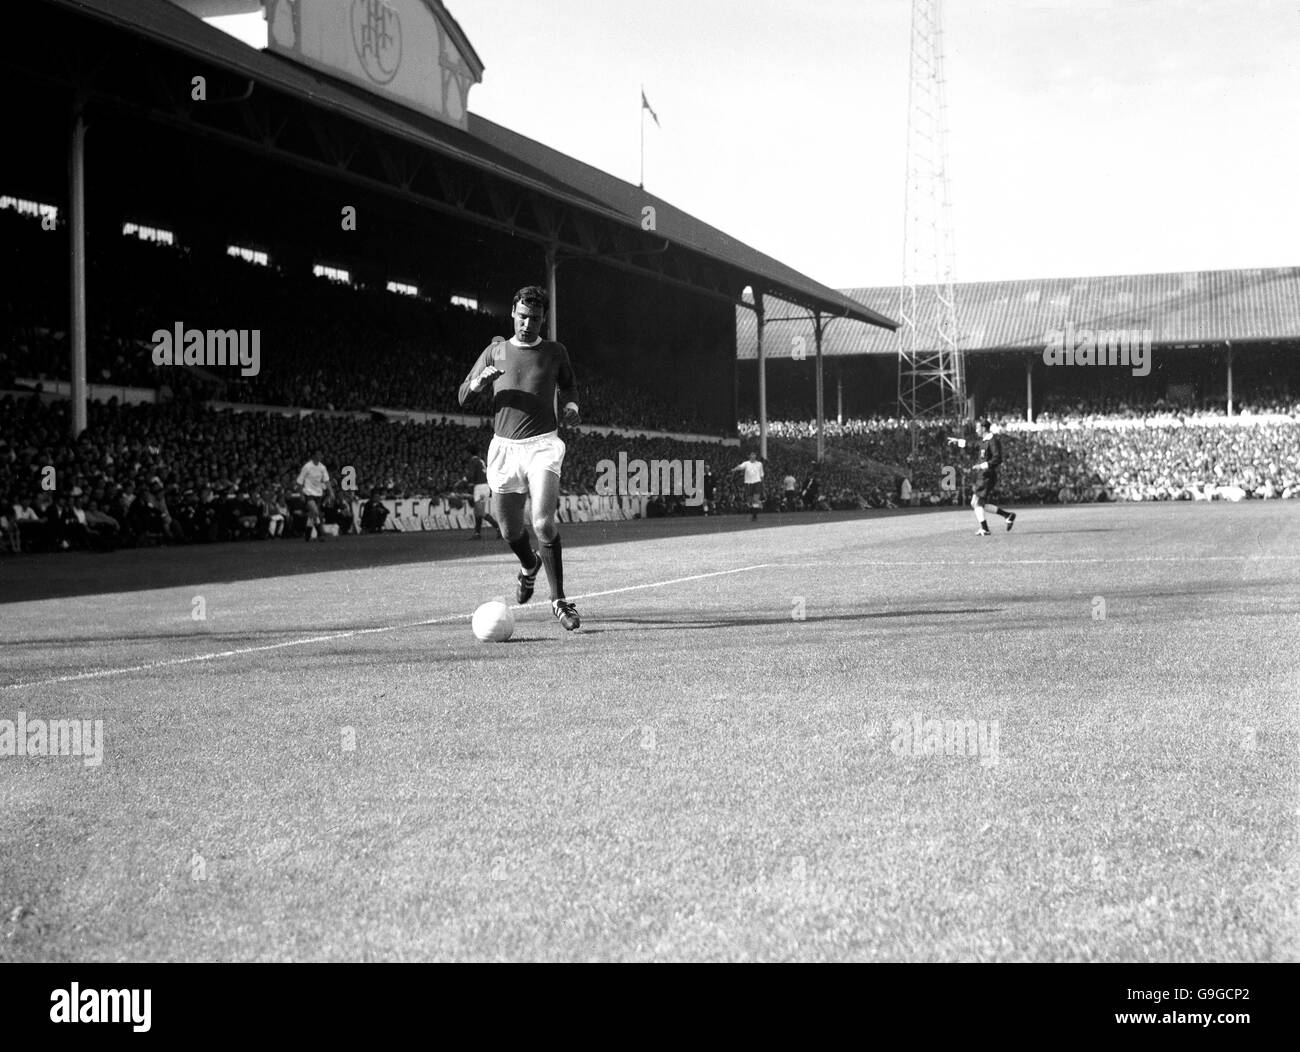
pixel 324 345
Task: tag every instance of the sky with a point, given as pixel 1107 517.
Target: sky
pixel 1085 137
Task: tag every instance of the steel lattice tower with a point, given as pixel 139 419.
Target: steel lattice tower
pixel 931 368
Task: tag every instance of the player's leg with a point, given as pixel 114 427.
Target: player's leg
pixel 313 517
pixel 544 486
pixel 986 489
pixel 481 496
pixel 1002 510
pixel 509 492
pixel 481 510
pixel 545 489
pixel 509 508
pixel 977 505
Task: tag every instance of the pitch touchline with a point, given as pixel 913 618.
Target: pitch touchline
pixel 677 580
pixel 347 634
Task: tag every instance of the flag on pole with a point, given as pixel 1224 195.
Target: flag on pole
pixel 645 105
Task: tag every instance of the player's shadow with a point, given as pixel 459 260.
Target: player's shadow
pixel 754 622
pixel 1082 529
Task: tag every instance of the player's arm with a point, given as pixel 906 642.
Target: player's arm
pixel 960 443
pixel 566 386
pixel 480 377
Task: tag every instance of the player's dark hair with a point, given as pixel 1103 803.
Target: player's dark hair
pixel 532 296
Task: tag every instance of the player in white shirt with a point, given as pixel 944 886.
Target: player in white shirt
pixel 789 493
pixel 314 481
pixel 753 469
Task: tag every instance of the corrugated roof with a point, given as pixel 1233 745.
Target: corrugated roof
pixel 488 146
pixel 1186 307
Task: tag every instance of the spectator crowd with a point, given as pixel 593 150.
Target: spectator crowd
pixel 183 473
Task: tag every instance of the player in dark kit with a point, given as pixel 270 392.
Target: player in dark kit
pixel 526 454
pixel 475 482
pixel 990 459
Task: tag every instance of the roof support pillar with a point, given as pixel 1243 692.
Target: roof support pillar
pixel 77 266
pixel 1229 343
pixel 551 323
pixel 762 375
pixel 821 399
pixel 1029 389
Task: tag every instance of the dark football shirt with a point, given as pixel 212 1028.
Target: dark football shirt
pixel 475 472
pixel 991 453
pixel 523 397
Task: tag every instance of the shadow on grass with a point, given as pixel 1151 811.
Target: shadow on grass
pixel 66 574
pixel 1084 529
pixel 753 622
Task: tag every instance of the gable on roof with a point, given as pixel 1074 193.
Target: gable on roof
pixel 409 51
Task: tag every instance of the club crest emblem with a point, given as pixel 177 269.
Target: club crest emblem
pixel 377 37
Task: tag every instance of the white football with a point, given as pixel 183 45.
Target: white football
pixel 493 622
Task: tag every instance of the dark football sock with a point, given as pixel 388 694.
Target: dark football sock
pixel 1004 512
pixel 554 563
pixel 523 548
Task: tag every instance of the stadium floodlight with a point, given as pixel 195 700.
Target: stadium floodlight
pixel 931 369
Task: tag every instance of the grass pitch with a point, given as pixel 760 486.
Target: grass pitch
pixel 721 764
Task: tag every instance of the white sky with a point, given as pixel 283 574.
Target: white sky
pixel 1085 136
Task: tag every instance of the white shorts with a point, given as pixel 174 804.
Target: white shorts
pixel 482 492
pixel 510 461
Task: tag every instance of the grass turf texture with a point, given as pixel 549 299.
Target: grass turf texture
pixel 695 774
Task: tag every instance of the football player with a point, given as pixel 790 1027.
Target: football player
pixel 990 459
pixel 522 376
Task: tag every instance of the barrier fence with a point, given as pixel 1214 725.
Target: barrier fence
pixel 417 514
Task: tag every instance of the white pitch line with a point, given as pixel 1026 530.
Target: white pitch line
pixel 345 634
pixel 678 580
